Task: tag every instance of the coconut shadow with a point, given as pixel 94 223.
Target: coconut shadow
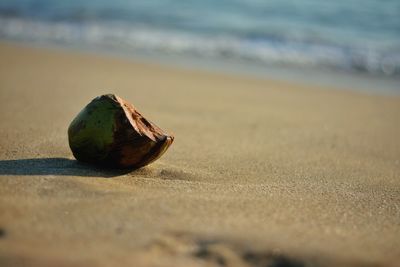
pixel 56 166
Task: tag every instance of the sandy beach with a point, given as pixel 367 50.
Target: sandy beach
pixel 261 173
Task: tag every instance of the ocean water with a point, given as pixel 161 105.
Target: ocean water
pixel 360 36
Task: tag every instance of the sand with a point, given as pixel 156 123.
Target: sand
pixel 261 173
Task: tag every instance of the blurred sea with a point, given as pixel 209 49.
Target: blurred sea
pixel 352 36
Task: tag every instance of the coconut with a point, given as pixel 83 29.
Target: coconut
pixel 110 132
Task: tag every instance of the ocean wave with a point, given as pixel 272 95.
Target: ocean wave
pixel 128 37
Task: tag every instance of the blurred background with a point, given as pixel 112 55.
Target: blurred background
pixel 355 37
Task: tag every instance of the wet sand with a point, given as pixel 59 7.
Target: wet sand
pixel 260 172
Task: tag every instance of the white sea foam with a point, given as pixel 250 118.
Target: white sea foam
pixel 126 37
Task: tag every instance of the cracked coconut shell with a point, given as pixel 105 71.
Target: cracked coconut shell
pixel 110 132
